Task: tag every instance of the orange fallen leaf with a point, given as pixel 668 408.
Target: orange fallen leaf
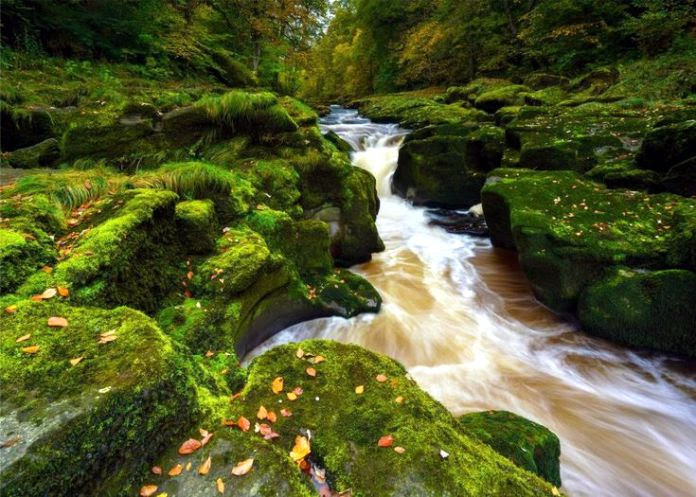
pixel 32 349
pixel 286 413
pixel 63 291
pixel 311 372
pixel 385 441
pixel 176 470
pixel 381 378
pixel 156 470
pixel 399 450
pixel 359 389
pixel 47 269
pixel 23 338
pixel 210 353
pixel 263 413
pixel 11 309
pixel 189 275
pixel 76 361
pixel 148 490
pixel 318 359
pixel 266 431
pixel 277 385
pixel 243 423
pixel 49 293
pixel 235 396
pixel 206 436
pixel 189 446
pixel 205 467
pixel 57 322
pixel 243 467
pixel 271 417
pixel 301 449
pixel 220 485
pixel 37 298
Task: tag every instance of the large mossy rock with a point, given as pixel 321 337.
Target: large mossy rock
pixel 569 231
pixel 345 427
pixel 21 254
pixel 653 309
pixel 197 225
pixel 86 427
pixel 446 165
pixel 492 100
pixel 43 154
pixel 528 444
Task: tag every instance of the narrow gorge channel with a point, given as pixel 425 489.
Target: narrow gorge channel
pixel 460 316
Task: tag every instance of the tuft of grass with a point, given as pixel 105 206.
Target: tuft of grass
pixel 189 179
pixel 250 112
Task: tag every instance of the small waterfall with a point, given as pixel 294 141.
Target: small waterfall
pixel 460 316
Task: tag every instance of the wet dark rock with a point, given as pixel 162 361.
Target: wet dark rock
pixel 43 154
pixel 458 222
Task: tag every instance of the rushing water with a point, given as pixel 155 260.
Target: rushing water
pixel 459 315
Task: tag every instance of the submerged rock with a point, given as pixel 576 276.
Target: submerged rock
pixel 465 223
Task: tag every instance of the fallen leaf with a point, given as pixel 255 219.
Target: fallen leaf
pixel 47 269
pixel 188 466
pixel 205 467
pixel 243 423
pixel 444 454
pixel 156 470
pixel 108 338
pixel 148 490
pixel 57 322
pixel 189 275
pixel 292 396
pixel 76 361
pixel 311 372
pixel 11 309
pixel 381 378
pixel 63 291
pixel 32 349
pixel 104 390
pixel 49 293
pixel 298 391
pixel 399 400
pixel 266 431
pixel 277 385
pixel 176 470
pixel 399 450
pixel 23 338
pixel 37 298
pixel 301 448
pixel 206 436
pixel 262 414
pixel 318 359
pixel 235 396
pixel 220 485
pixel 359 389
pixel 385 441
pixel 299 353
pixel 189 446
pixel 243 467
pixel 286 413
pixel 555 491
pixel 272 417
pixel 11 442
pixel 210 353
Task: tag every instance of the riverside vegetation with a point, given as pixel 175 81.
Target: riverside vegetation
pixel 167 205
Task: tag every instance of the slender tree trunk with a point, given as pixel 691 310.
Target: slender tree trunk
pixel 508 14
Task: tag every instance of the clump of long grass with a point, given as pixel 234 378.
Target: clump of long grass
pixel 249 112
pixel 189 179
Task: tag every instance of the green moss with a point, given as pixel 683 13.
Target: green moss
pixel 108 141
pixel 346 426
pixel 37 214
pixel 104 418
pixel 529 445
pixel 197 225
pixel 492 100
pixel 70 188
pixel 129 258
pixel 652 309
pixel 300 112
pixel 20 255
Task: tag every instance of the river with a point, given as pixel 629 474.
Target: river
pixel 460 316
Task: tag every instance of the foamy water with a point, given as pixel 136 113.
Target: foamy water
pixel 460 316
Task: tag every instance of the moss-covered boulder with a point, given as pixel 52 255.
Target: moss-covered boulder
pixel 43 154
pixel 446 165
pixel 129 258
pixel 435 455
pixel 653 309
pixel 666 146
pixel 528 444
pixel 114 140
pixel 24 127
pixel 88 405
pixel 21 254
pixel 569 232
pixel 197 225
pixel 492 100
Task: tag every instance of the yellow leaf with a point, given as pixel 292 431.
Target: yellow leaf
pixel 32 349
pixel 57 322
pixel 555 492
pixel 49 293
pixel 292 396
pixel 299 354
pixel 76 361
pixel 277 385
pixel 359 389
pixel 301 448
pixel 220 485
pixel 318 359
pixel 262 414
pixel 63 291
pixel 311 372
pixel 205 467
pixel 11 309
pixel 23 338
pixel 176 470
pixel 243 467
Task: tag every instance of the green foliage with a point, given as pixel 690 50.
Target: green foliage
pixel 254 113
